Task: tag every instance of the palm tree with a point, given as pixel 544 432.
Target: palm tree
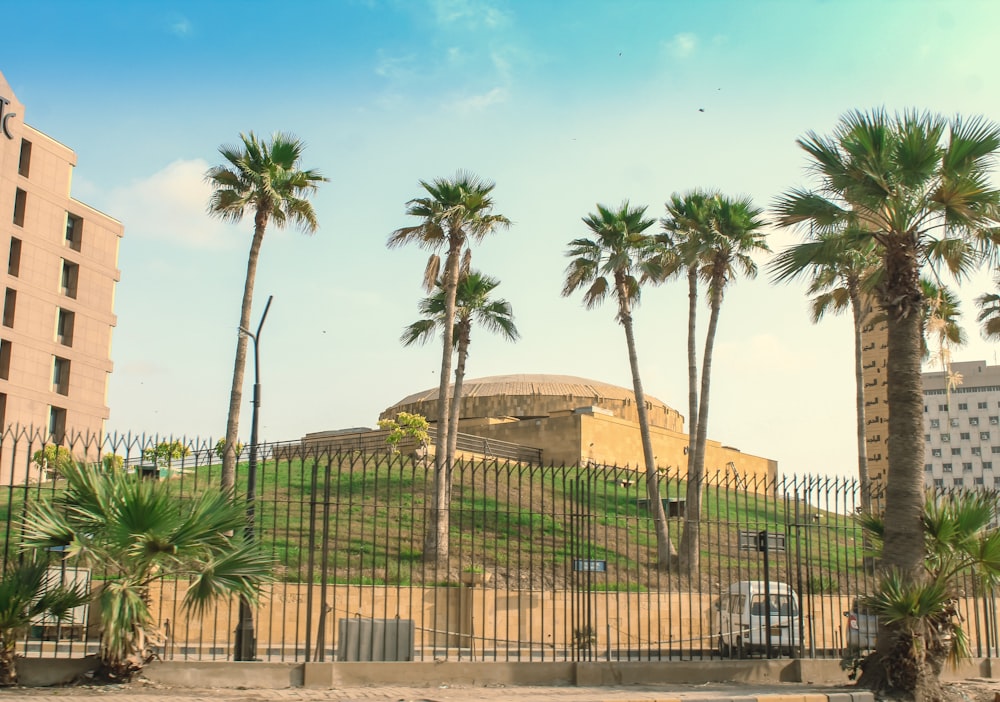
pixel 454 213
pixel 618 257
pixel 961 539
pixel 265 179
pixel 917 186
pixel 838 273
pixel 942 311
pixel 26 593
pixel 989 313
pixel 139 532
pixel 720 242
pixel 472 305
pixel 687 218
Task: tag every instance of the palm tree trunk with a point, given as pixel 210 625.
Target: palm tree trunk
pixel 463 354
pixel 436 537
pixel 665 552
pixel 903 543
pixel 864 483
pixel 236 392
pixel 690 553
pixel 692 351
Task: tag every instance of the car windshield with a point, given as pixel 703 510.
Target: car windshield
pixel 781 605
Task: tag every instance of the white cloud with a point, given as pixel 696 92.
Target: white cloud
pixel 682 45
pixel 180 27
pixel 469 12
pixel 170 205
pixel 477 103
pixel 394 67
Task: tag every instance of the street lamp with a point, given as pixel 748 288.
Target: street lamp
pixel 246 642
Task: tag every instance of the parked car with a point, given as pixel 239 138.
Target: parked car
pixel 862 626
pixel 754 613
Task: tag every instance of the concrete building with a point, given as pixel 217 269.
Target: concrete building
pixel 962 427
pixel 576 421
pixel 59 290
pixel 874 360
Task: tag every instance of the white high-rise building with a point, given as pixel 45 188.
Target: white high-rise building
pixel 962 427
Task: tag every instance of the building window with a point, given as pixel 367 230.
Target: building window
pixel 963 405
pixel 927 437
pixel 982 405
pixel 984 435
pixel 996 482
pixel 928 467
pixel 994 420
pixel 956 452
pixel 937 453
pixel 973 421
pixel 935 423
pixel 9 305
pixel 14 258
pixel 994 449
pixel 953 421
pixel 74 231
pixel 958 482
pixel 70 278
pixel 976 451
pixel 20 202
pixel 945 438
pixel 60 376
pixel 977 481
pixel 963 436
pixel 943 408
pixel 3 410
pixel 57 424
pixel 938 482
pixel 987 465
pixel 24 162
pixel 65 321
pixel 967 467
pixel 4 363
pixel 946 467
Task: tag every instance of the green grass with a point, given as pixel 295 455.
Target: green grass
pixel 364 520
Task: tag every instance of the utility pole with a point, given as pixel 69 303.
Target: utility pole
pixel 246 639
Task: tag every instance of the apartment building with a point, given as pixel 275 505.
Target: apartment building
pixel 962 427
pixel 58 291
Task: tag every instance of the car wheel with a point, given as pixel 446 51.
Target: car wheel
pixel 724 650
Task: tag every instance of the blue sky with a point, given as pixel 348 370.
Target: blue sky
pixel 562 104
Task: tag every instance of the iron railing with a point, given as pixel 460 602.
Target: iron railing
pixel 545 562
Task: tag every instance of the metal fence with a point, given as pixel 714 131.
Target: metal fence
pixel 546 562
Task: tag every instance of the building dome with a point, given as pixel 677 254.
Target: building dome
pixel 535 396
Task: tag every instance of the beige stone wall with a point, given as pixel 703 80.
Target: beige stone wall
pixel 581 439
pixel 484 617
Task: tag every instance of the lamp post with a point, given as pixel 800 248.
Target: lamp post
pixel 246 640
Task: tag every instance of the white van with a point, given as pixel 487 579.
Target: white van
pixel 746 612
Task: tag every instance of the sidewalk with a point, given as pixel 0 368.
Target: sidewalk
pixel 715 692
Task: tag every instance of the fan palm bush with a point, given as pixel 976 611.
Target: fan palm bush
pixel 137 531
pixel 26 594
pixel 963 544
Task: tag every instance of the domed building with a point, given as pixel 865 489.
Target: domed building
pixel 576 421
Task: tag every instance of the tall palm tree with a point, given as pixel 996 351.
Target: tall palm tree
pixel 473 305
pixel 613 262
pixel 722 246
pixel 838 273
pixel 989 313
pixel 266 180
pixel 453 213
pixel 687 218
pixel 917 186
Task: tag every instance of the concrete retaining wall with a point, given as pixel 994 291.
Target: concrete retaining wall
pixel 40 672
